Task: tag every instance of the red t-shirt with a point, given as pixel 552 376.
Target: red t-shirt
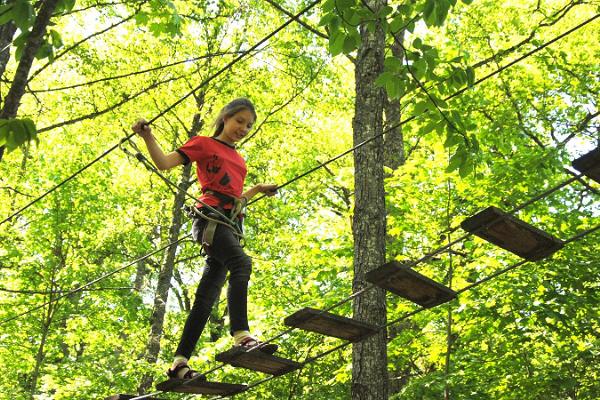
pixel 219 168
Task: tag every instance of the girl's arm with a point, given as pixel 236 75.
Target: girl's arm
pixel 161 160
pixel 265 188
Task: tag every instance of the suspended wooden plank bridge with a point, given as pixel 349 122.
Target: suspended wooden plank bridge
pixel 491 224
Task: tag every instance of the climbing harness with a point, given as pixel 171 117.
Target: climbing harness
pixel 214 219
pixel 231 218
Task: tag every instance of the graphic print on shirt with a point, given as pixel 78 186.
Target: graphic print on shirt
pixel 214 164
pixel 225 180
pixel 219 167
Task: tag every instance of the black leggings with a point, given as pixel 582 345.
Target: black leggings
pixel 226 255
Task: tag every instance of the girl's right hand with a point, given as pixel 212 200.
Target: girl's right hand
pixel 142 128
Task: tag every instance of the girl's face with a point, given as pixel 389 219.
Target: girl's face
pixel 237 126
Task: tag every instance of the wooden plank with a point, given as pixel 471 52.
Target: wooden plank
pixel 325 323
pixel 589 164
pixel 409 284
pixel 512 234
pixel 201 387
pixel 257 360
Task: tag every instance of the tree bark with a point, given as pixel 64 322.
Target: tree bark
pixel 369 358
pixel 164 279
pixel 36 37
pixel 394 155
pixel 166 274
pixel 7 32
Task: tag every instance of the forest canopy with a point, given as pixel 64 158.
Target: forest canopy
pixel 487 104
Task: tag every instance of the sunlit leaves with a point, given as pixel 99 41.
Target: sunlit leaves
pixel 16 132
pixel 162 17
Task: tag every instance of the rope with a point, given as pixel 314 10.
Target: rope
pixel 310 360
pixel 201 85
pixel 457 93
pixel 370 286
pixel 355 147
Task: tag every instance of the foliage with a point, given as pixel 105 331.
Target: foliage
pixel 14 132
pixel 530 333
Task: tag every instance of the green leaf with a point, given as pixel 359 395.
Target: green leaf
pixel 4 130
pixel 467 167
pixel 442 7
pixel 417 43
pixel 383 78
pixel 354 19
pixel 421 106
pixel 336 43
pixel 456 160
pixel 45 51
pixel 452 139
pixel 470 76
pixel 6 14
pixel 384 11
pixel 64 6
pixel 16 132
pixel 141 18
pixel 56 39
pixel 429 127
pixel 334 25
pixel 328 6
pixel 22 13
pixel 29 127
pixel 419 68
pixel 392 64
pixel 392 87
pixel 350 44
pixel 69 4
pixel 397 23
pixel 429 8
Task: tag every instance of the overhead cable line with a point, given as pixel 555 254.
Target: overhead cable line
pixel 358 293
pixel 213 76
pixel 457 93
pixel 201 85
pixel 77 44
pixel 143 71
pixel 409 68
pixel 100 278
pixel 570 240
pixel 371 286
pixel 389 129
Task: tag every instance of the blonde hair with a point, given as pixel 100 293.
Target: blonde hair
pixel 232 108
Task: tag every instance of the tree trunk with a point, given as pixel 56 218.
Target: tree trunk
pixel 46 323
pixel 164 279
pixel 369 358
pixel 7 32
pixel 394 156
pixel 166 273
pixel 41 353
pixel 36 37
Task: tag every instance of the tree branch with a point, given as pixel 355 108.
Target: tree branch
pixel 111 108
pixel 77 44
pixel 304 24
pixel 157 68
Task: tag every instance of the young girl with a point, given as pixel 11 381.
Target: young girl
pixel 221 172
